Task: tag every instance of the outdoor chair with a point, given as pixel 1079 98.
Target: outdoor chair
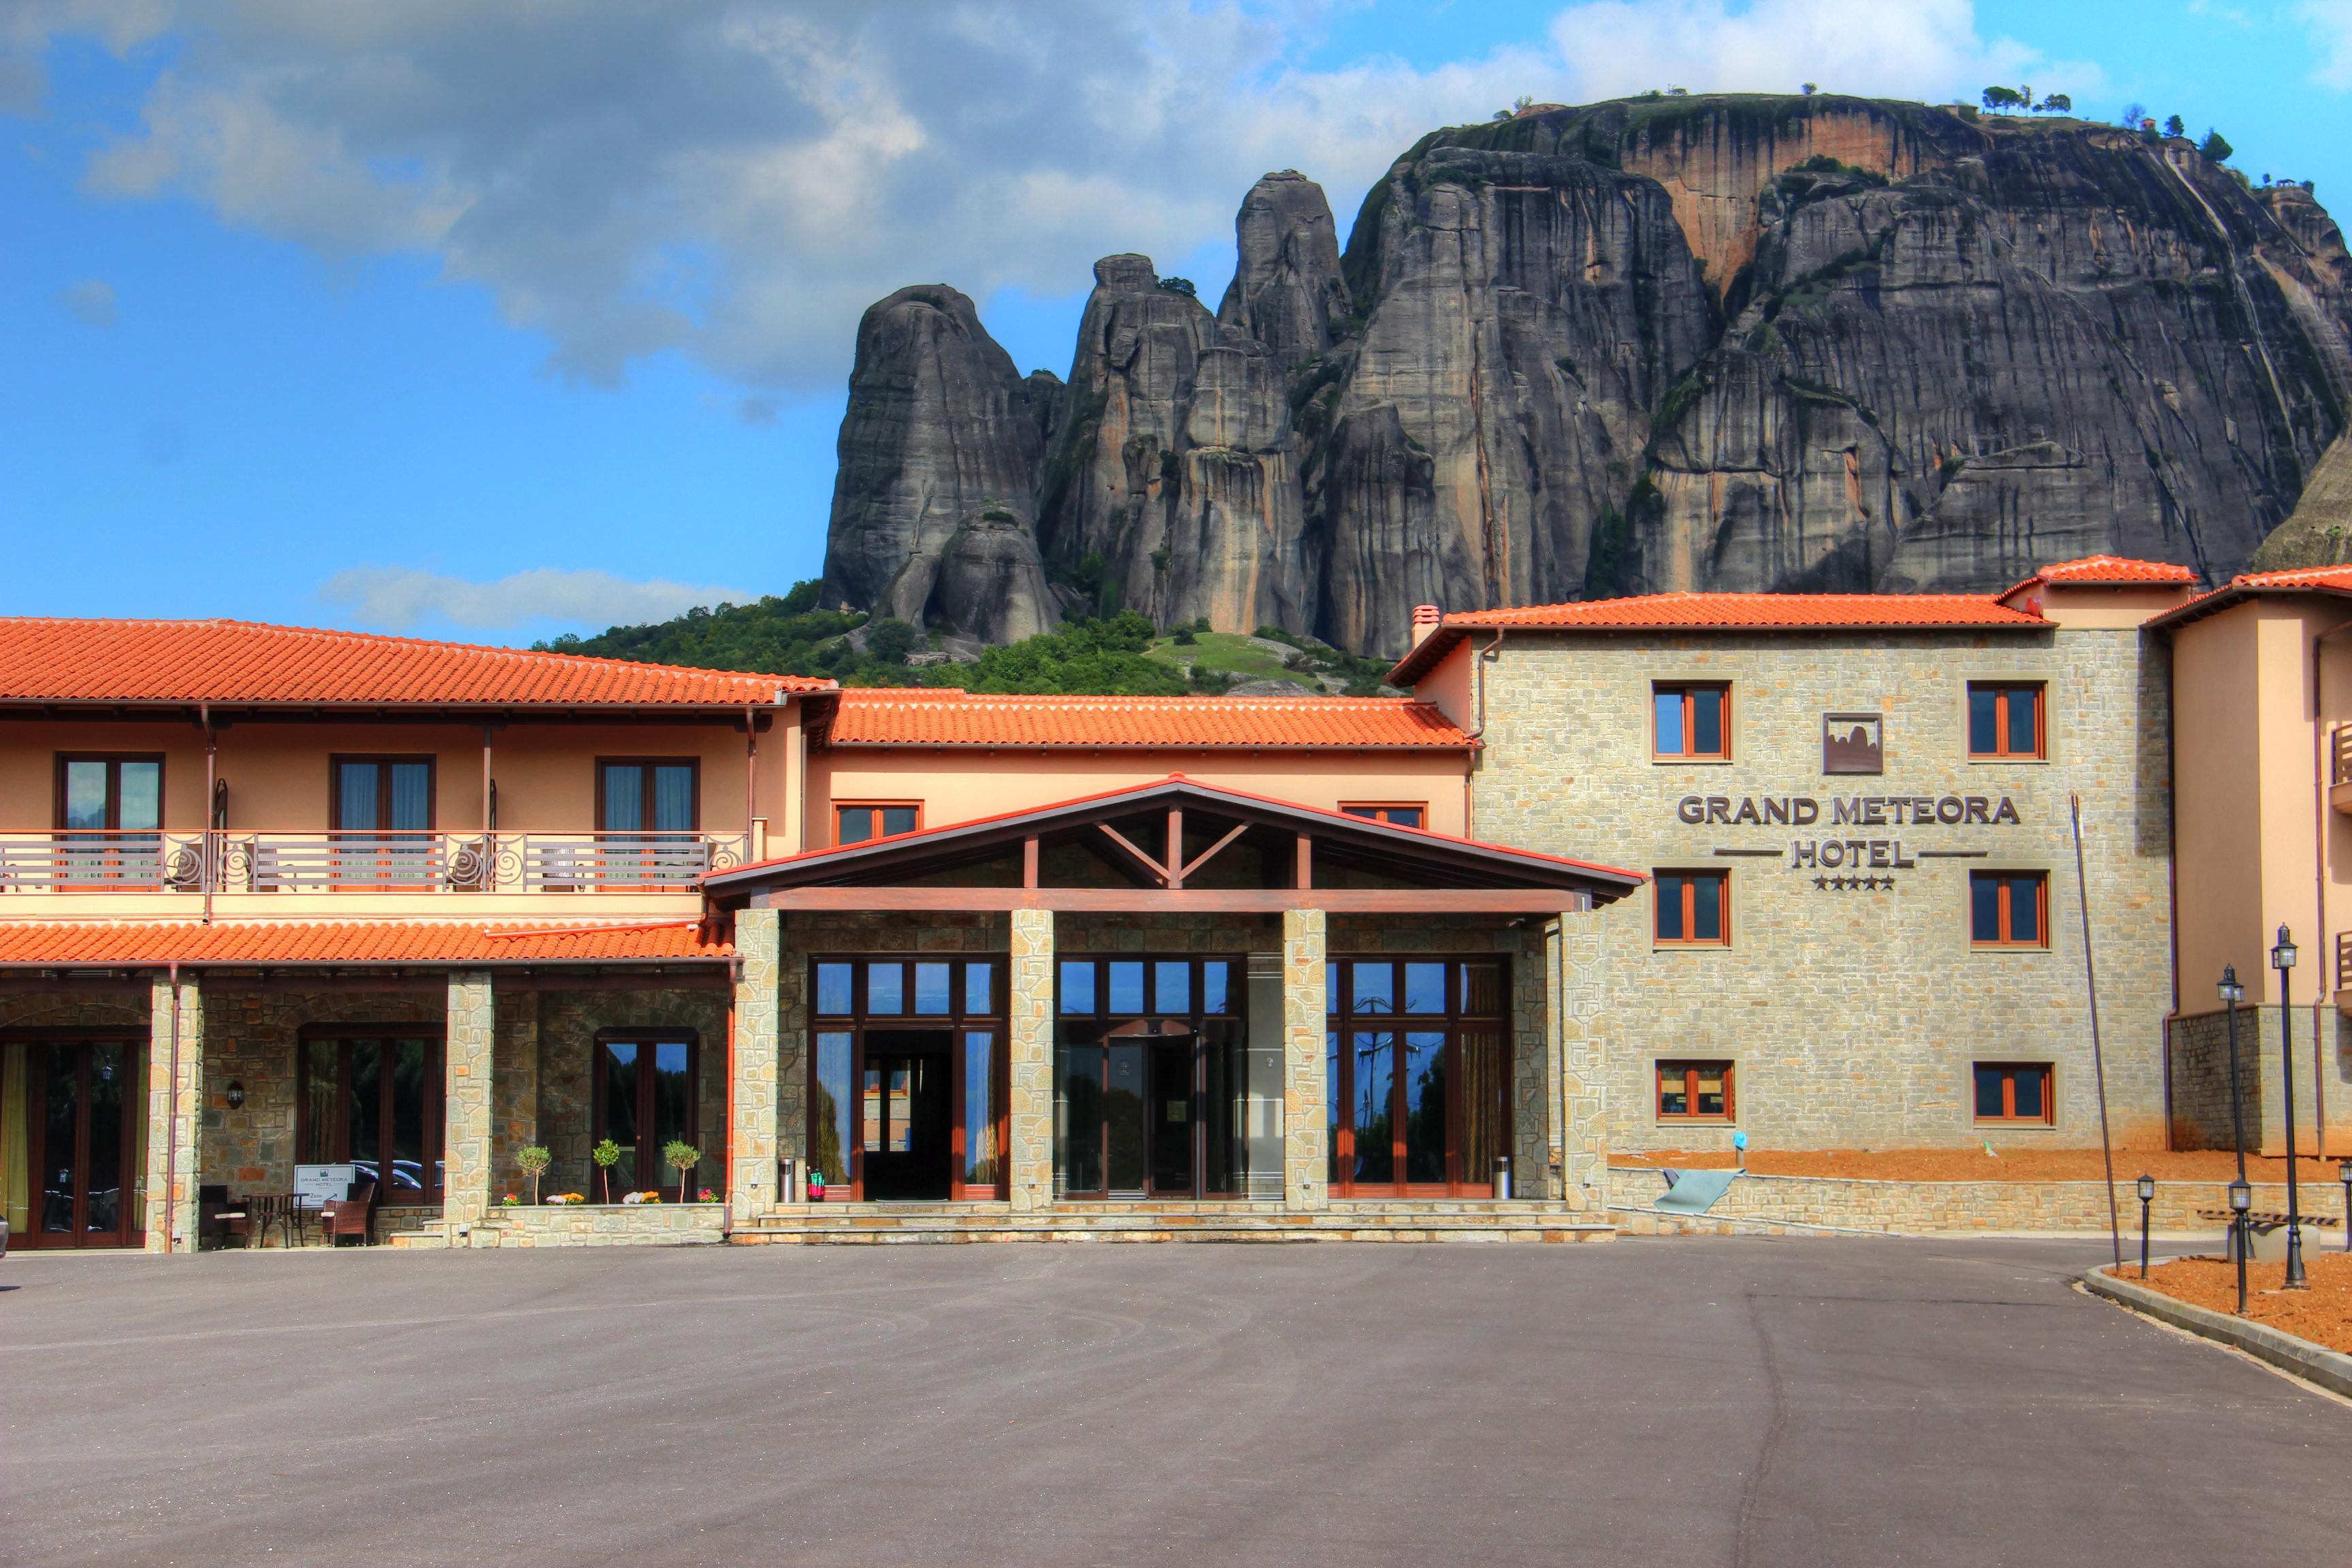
pixel 218 1219
pixel 353 1215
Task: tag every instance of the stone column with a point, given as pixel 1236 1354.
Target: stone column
pixel 1030 1169
pixel 751 1097
pixel 1575 954
pixel 465 1110
pixel 1306 1162
pixel 176 1097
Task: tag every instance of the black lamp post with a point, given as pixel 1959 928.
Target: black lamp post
pixel 2344 1174
pixel 2283 960
pixel 2147 1197
pixel 2241 1199
pixel 2242 1196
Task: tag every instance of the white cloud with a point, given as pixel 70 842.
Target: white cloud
pixel 90 301
pixel 397 600
pixel 2330 22
pixel 739 179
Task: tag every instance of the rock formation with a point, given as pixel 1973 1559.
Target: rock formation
pixel 1733 343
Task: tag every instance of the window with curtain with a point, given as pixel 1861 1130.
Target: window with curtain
pixel 648 809
pixel 383 794
pixel 109 808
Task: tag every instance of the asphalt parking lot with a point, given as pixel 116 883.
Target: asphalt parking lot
pixel 1662 1402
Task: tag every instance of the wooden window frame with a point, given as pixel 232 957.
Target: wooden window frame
pixel 1691 1068
pixel 841 805
pixel 1683 689
pixel 955 1023
pixel 2002 690
pixel 1456 1022
pixel 1378 810
pixel 435 1153
pixel 2009 1071
pixel 2005 918
pixel 1690 906
pixel 114 761
pixel 597 1125
pixel 649 763
pixel 432 761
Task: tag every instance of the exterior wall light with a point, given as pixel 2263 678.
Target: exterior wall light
pixel 236 1095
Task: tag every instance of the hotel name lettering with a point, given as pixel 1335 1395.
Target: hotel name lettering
pixel 1849 811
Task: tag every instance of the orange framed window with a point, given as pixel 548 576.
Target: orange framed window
pixel 2015 1092
pixel 855 822
pixel 1695 1091
pixel 1690 721
pixel 2007 721
pixel 1396 813
pixel 1694 908
pixel 2008 909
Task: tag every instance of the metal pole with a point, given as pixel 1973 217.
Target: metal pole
pixel 2144 1203
pixel 2295 1276
pixel 2098 1060
pixel 2238 1137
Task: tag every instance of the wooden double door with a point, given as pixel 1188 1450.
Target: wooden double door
pixel 83 1142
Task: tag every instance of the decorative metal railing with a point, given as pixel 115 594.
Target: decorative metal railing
pixel 2340 756
pixel 233 861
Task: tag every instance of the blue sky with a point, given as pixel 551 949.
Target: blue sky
pixel 550 332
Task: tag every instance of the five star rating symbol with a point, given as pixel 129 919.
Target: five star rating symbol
pixel 1866 884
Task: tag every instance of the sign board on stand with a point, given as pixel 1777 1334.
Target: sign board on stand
pixel 314 1184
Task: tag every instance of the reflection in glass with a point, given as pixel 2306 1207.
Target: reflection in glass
pixel 142 785
pixel 830 1085
pixel 673 1107
pixel 980 1150
pixel 1424 1106
pixel 1668 707
pixel 1126 986
pixel 1332 996
pixel 109 1068
pixel 1216 973
pixel 86 794
pixel 933 992
pixel 2022 738
pixel 1424 988
pixel 1333 1119
pixel 1077 1120
pixel 1374 987
pixel 1375 1055
pixel 320 1062
pixel 834 992
pixel 1172 987
pixel 1124 1107
pixel 404 1183
pixel 1078 986
pixel 886 988
pixel 979 988
pixel 60 1100
pixel 365 1101
pixel 1170 1118
pixel 621 1107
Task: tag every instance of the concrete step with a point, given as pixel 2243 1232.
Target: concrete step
pixel 1442 1220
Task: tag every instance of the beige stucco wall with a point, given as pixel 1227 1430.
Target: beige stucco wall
pixel 1854 1016
pixel 960 784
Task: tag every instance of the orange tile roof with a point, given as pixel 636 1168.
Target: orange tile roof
pixel 1727 613
pixel 889 717
pixel 2326 580
pixel 49 943
pixel 2111 571
pixel 232 663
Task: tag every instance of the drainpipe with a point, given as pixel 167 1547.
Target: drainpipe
pixel 172 1122
pixel 1479 663
pixel 751 775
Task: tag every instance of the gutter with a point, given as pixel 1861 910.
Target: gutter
pixel 1479 660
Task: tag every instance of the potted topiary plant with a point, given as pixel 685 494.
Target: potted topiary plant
pixel 534 1159
pixel 683 1157
pixel 607 1154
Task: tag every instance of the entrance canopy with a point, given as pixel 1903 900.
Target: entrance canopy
pixel 1175 845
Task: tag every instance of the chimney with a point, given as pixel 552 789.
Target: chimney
pixel 1425 618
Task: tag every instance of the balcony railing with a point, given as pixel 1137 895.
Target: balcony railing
pixel 233 861
pixel 2339 750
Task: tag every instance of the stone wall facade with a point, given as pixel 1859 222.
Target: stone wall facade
pixel 566 1024
pixel 2199 1054
pixel 1853 1014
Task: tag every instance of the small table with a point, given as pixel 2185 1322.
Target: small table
pixel 280 1209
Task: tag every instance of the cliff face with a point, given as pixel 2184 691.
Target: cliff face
pixel 1812 344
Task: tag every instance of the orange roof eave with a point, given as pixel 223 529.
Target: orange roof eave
pixel 108 944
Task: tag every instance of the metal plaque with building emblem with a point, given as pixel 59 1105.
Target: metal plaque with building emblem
pixel 1851 743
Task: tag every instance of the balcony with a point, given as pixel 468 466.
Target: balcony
pixel 2339 769
pixel 229 861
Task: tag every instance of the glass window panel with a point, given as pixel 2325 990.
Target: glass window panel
pixel 886 988
pixel 897 819
pixel 834 990
pixel 143 797
pixel 1374 1117
pixel 1424 988
pixel 673 797
pixel 1706 722
pixel 1984 909
pixel 1404 815
pixel 832 1106
pixel 1126 987
pixel 934 989
pixel 1485 1106
pixel 1482 990
pixel 2021 707
pixel 2031 1083
pixel 364 1108
pixel 1668 706
pixel 1331 993
pixel 1125 1106
pixel 855 824
pixel 86 794
pixel 411 797
pixel 1424 1106
pixel 1368 812
pixel 1706 909
pixel 621 1059
pixel 1372 987
pixel 109 1067
pixel 980 1150
pixel 1670 909
pixel 1215 975
pixel 1333 1106
pixel 898 1133
pixel 405 1180
pixel 355 786
pixel 1674 1091
pixel 673 1095
pixel 321 1060
pixel 1172 987
pixel 870 1111
pixel 2024 909
pixel 979 988
pixel 1711 1100
pixel 1984 720
pixel 1988 1091
pixel 1078 986
pixel 1079 1126
pixel 624 798
pixel 61 1101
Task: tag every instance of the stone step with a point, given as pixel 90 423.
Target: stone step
pixel 891 1223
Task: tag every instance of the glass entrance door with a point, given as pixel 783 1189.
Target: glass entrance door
pixel 905 1111
pixel 82 1138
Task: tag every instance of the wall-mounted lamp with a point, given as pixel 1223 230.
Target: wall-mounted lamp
pixel 236 1095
